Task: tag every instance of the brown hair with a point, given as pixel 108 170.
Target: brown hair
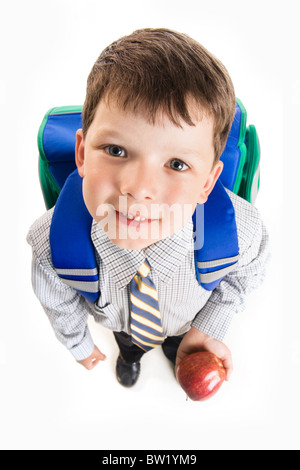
pixel 154 70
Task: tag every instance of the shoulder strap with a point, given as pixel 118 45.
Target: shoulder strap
pixel 216 240
pixel 73 255
pixel 72 250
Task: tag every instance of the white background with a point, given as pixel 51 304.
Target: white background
pixel 47 401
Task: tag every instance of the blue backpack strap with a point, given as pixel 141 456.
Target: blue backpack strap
pixel 72 251
pixel 216 242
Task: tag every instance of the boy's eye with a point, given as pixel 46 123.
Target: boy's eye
pixel 177 165
pixel 115 151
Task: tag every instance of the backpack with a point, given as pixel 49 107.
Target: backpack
pixel 215 232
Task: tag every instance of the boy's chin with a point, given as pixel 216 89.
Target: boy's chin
pixel 132 244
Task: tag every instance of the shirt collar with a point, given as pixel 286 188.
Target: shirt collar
pixel 164 257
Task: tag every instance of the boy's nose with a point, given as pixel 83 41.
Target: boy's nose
pixel 139 182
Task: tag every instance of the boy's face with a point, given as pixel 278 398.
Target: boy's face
pixel 142 182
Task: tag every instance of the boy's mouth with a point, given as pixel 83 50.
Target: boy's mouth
pixel 133 219
pixel 137 218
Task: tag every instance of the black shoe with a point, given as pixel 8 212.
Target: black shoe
pixel 127 372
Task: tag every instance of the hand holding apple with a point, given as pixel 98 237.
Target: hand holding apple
pixel 195 341
pixel 201 375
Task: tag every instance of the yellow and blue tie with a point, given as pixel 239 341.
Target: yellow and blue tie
pixel 146 326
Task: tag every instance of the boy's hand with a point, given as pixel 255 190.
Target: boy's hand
pixel 90 362
pixel 195 341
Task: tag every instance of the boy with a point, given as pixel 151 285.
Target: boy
pixel 157 114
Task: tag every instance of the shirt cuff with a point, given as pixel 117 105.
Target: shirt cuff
pixel 213 322
pixel 85 348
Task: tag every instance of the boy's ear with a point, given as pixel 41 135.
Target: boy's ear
pixel 211 181
pixel 79 152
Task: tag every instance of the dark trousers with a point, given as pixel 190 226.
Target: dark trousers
pixel 132 353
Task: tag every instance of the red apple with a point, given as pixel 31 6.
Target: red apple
pixel 201 374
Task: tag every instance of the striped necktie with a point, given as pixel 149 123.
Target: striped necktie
pixel 146 327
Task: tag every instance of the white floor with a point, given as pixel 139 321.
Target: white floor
pixel 47 401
